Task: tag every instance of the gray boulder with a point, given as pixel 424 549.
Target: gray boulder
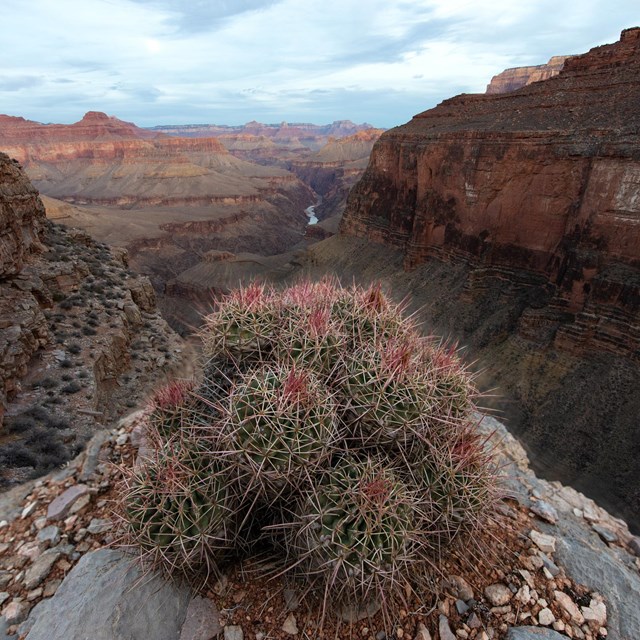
pixel 533 633
pixel 589 561
pixel 107 597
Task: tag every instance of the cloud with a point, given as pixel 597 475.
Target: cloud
pixel 153 61
pixel 198 16
pixel 17 83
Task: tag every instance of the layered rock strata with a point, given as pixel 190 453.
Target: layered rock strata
pixel 334 169
pixel 517 77
pixel 531 199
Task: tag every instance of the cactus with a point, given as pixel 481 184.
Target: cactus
pixel 459 481
pixel 169 405
pixel 323 421
pixel 244 327
pixel 282 423
pixel 178 511
pixel 355 530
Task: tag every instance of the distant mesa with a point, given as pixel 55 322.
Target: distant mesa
pixel 517 77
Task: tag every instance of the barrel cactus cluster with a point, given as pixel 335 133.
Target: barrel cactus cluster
pixel 324 425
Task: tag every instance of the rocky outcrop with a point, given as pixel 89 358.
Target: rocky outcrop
pixel 21 218
pixel 517 77
pixel 81 339
pixel 531 199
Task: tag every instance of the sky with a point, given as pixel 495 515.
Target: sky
pixel 157 62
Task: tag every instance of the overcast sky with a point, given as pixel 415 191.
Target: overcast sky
pixel 231 61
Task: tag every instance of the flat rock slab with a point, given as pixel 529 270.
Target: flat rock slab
pixel 107 597
pixel 59 507
pixel 202 621
pixel 533 633
pixel 591 562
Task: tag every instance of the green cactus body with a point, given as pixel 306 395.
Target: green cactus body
pixel 459 484
pixel 391 402
pixel 178 512
pixel 356 528
pixel 282 422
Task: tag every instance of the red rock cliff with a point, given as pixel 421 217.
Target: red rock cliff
pixel 536 190
pixel 512 79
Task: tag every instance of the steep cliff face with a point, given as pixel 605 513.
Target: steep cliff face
pixel 512 79
pixel 532 197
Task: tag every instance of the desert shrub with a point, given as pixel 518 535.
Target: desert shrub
pixel 74 348
pixel 72 387
pixel 46 383
pixel 326 424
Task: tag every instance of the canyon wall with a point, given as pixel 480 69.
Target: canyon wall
pixel 532 199
pixel 81 340
pixel 517 77
pixel 167 200
pixel 333 170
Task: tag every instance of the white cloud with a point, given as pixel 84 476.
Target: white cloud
pixel 153 61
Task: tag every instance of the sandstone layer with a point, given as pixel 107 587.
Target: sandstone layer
pixel 522 211
pixel 517 77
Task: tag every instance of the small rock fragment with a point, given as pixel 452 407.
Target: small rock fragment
pixel 569 606
pixel 201 621
pixel 40 569
pixel 473 621
pixel 29 509
pixel 290 625
pixel 545 511
pixel 596 611
pixel 233 632
pixel 61 506
pixel 423 633
pixel 605 533
pixel 546 617
pixel 444 629
pixel 49 536
pixel 98 525
pixel 16 612
pixel 544 542
pixel 498 594
pixel 461 607
pixel 459 588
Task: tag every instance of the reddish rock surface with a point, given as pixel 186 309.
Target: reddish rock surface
pixel 517 77
pixel 535 195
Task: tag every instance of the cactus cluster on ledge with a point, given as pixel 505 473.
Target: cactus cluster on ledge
pixel 325 425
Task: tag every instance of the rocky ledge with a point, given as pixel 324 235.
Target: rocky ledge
pixel 81 340
pixel 568 569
